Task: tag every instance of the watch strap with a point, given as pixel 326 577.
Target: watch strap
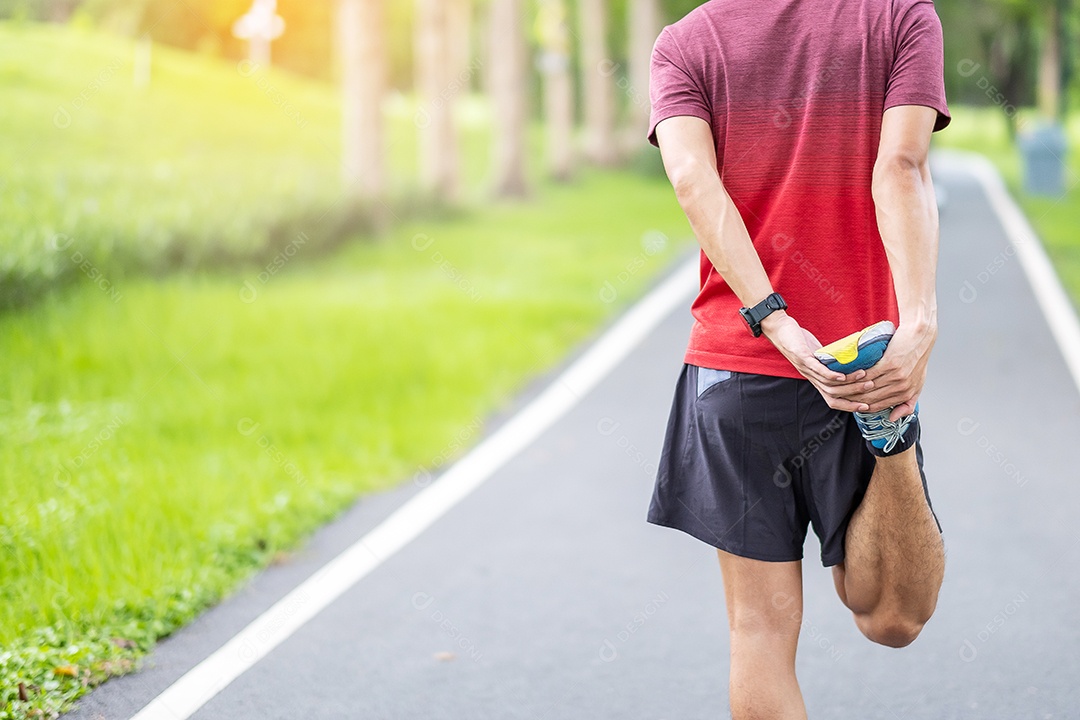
pixel 762 310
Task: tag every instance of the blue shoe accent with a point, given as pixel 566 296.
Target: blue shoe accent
pixel 858 351
pixel 867 358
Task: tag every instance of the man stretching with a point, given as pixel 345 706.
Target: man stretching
pixel 796 134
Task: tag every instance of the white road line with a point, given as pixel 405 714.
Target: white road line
pixel 184 697
pixel 1051 296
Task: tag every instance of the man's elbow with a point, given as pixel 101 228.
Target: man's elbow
pixel 686 178
pixel 900 170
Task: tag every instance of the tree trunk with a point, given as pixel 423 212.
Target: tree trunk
pixel 645 25
pixel 460 29
pixel 508 78
pixel 1068 54
pixel 598 90
pixel 554 33
pixel 1050 65
pixel 437 92
pixel 363 77
pixel 1012 62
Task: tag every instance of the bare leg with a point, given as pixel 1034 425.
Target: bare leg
pixel 895 559
pixel 764 604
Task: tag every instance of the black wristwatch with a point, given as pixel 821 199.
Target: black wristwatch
pixel 753 316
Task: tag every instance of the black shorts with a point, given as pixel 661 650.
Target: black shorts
pixel 750 460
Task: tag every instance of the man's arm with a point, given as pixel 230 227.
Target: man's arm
pixel 907 218
pixel 686 144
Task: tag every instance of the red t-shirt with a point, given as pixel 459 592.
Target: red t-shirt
pixel 794 92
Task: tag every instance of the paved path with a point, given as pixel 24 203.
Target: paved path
pixel 559 601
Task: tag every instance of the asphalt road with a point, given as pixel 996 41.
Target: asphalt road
pixel 557 600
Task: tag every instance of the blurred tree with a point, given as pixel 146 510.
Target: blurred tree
pixel 461 52
pixel 206 26
pixel 1004 52
pixel 1026 42
pixel 436 57
pixel 1050 66
pixel 675 9
pixel 361 25
pixel 645 23
pixel 508 79
pixel 990 53
pixel 55 10
pixel 553 61
pixel 597 86
pixel 1010 47
pixel 1070 39
pixel 1055 58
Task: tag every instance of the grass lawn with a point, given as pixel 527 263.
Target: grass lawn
pixel 161 445
pixel 212 164
pixel 165 437
pixel 1055 219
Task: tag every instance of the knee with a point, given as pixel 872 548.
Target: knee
pixel 891 629
pixel 767 624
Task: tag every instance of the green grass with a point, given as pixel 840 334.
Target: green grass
pixel 212 164
pixel 1055 219
pixel 161 445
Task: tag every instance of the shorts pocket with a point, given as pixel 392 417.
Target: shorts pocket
pixel 708 378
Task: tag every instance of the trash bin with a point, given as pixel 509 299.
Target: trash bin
pixel 1043 150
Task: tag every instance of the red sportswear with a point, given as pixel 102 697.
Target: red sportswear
pixel 794 92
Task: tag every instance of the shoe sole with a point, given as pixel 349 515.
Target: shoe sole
pixel 858 351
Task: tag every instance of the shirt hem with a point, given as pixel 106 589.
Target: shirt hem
pixel 738 363
pixel 943 118
pixel 675 111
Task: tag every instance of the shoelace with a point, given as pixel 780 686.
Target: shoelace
pixel 878 426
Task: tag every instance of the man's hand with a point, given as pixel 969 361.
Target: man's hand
pixel 899 376
pixel 798 345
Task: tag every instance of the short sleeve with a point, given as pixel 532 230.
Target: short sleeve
pixel 673 89
pixel 918 72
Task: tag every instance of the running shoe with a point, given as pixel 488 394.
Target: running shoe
pixel 858 351
pixel 861 351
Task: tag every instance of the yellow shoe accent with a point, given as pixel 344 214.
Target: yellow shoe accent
pixel 845 349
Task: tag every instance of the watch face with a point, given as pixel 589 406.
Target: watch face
pixel 748 316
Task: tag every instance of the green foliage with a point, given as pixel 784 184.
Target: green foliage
pixel 1004 38
pixel 675 9
pixel 43 673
